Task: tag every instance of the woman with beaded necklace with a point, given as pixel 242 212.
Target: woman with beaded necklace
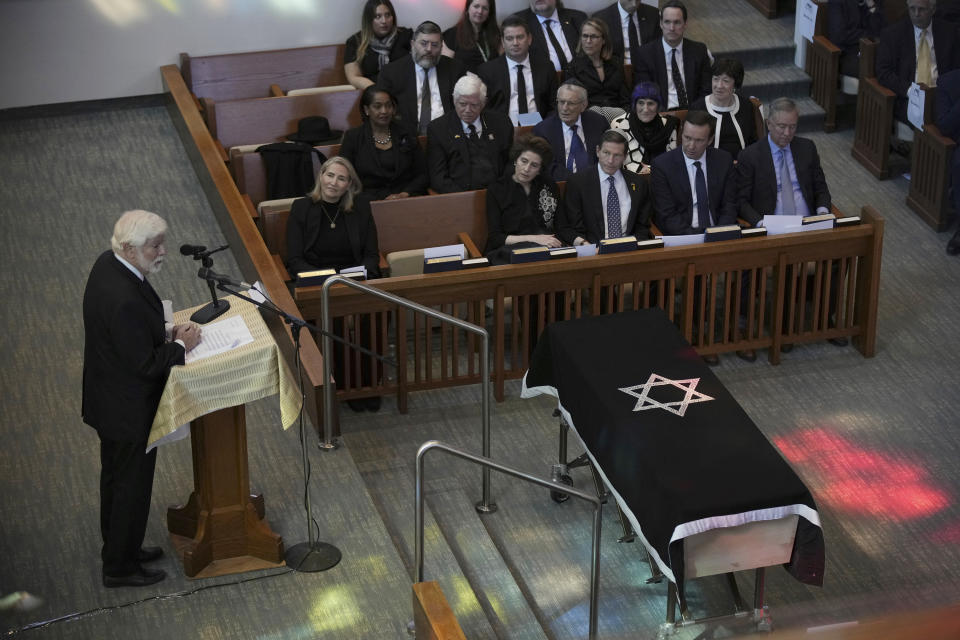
pixel 385 153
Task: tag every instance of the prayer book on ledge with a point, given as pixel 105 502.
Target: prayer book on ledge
pixel 563 252
pixel 847 221
pixel 754 232
pixel 529 254
pixel 724 232
pixel 311 278
pixel 473 263
pixel 616 245
pixel 823 217
pixel 356 273
pixel 442 263
pixel 653 243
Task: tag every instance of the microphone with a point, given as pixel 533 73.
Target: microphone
pixel 191 249
pixel 210 274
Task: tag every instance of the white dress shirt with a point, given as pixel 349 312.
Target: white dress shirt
pixel 672 100
pixel 623 194
pixel 514 110
pixel 692 176
pixel 568 137
pixel 562 39
pixel 627 20
pixel 436 104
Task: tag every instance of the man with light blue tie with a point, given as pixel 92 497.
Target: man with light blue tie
pixel 781 174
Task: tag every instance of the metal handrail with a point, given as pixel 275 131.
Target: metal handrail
pixel 488 464
pixel 484 506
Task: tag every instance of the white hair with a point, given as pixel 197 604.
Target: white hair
pixel 135 227
pixel 469 85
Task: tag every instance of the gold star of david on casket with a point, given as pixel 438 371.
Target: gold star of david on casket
pixel 678 407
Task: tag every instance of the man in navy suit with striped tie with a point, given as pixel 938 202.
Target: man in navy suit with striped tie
pixel 573 131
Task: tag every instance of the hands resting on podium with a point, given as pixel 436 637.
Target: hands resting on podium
pixel 188 333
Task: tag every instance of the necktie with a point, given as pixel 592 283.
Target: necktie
pixel 561 56
pixel 786 187
pixel 924 70
pixel 634 38
pixel 678 80
pixel 613 211
pixel 473 132
pixel 577 160
pixel 425 103
pixel 705 219
pixel 521 90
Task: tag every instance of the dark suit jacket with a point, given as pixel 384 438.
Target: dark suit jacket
pixel 847 22
pixel 612 91
pixel 948 121
pixel 370 65
pixel 757 180
pixel 582 212
pixel 897 57
pixel 673 200
pixel 409 172
pixel 399 78
pixel 511 211
pixel 551 129
pixel 570 22
pixel 307 222
pixel 496 75
pixel 126 358
pixel 652 66
pixel 448 154
pixel 647 16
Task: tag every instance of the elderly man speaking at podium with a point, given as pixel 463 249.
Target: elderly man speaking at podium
pixel 127 357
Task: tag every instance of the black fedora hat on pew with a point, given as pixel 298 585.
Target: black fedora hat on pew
pixel 315 130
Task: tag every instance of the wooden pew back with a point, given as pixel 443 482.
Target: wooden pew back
pixel 428 221
pixel 263 120
pixel 235 76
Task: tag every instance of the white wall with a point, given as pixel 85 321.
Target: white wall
pixel 69 50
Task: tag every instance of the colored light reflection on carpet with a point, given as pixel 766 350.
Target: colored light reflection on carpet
pixel 863 481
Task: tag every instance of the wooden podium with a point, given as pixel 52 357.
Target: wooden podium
pixel 221 529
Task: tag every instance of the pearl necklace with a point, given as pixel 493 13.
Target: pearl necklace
pixel 382 141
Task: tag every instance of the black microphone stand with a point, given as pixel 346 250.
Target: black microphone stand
pixel 310 556
pixel 215 308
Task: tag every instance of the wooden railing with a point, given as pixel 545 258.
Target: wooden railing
pixel 930 170
pixel 239 227
pixel 728 296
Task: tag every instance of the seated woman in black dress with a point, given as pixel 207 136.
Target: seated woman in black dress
pixel 378 42
pixel 332 229
pixel 386 154
pixel 648 132
pixel 599 70
pixel 522 205
pixel 736 125
pixel 476 37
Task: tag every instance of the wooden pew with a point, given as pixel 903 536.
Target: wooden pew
pixel 235 76
pixel 871 134
pixel 823 66
pixel 250 173
pixel 769 8
pixel 930 172
pixel 263 120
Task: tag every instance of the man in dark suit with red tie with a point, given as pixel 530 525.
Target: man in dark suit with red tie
pixel 126 359
pixel 606 200
pixel 679 66
pixel 640 22
pixel 555 30
pixel 520 81
pixel 695 185
pixel 422 82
